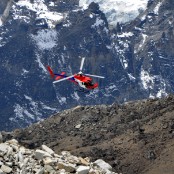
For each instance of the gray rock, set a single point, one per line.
(83, 170)
(10, 164)
(1, 172)
(1, 138)
(40, 154)
(40, 171)
(6, 169)
(4, 148)
(48, 161)
(10, 151)
(20, 156)
(48, 168)
(103, 165)
(47, 149)
(13, 141)
(68, 167)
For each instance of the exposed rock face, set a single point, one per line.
(134, 138)
(14, 158)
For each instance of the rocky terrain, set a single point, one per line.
(135, 57)
(134, 138)
(16, 159)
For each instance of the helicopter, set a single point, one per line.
(84, 81)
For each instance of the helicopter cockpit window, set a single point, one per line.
(89, 83)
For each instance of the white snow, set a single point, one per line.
(21, 113)
(126, 34)
(147, 80)
(41, 10)
(45, 39)
(118, 10)
(34, 106)
(131, 77)
(38, 60)
(51, 4)
(91, 16)
(75, 96)
(48, 108)
(24, 71)
(98, 23)
(156, 9)
(0, 22)
(18, 111)
(53, 18)
(143, 41)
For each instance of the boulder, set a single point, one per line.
(47, 161)
(40, 171)
(103, 165)
(6, 169)
(68, 167)
(13, 141)
(10, 151)
(73, 159)
(4, 148)
(84, 161)
(47, 149)
(40, 154)
(48, 168)
(83, 170)
(1, 172)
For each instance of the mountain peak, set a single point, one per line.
(118, 10)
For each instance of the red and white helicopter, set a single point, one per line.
(80, 79)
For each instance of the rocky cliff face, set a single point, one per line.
(136, 57)
(134, 138)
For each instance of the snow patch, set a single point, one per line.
(156, 9)
(48, 108)
(118, 10)
(91, 16)
(99, 22)
(38, 60)
(45, 39)
(131, 77)
(22, 114)
(0, 22)
(152, 83)
(41, 10)
(147, 80)
(126, 34)
(75, 96)
(143, 41)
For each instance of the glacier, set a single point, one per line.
(120, 11)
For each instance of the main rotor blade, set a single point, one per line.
(82, 62)
(95, 76)
(66, 78)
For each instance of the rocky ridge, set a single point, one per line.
(17, 159)
(134, 138)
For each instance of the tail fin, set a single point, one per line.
(50, 71)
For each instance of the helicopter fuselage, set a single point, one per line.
(84, 81)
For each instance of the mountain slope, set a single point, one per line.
(135, 138)
(135, 57)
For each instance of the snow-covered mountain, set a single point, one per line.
(135, 57)
(118, 10)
